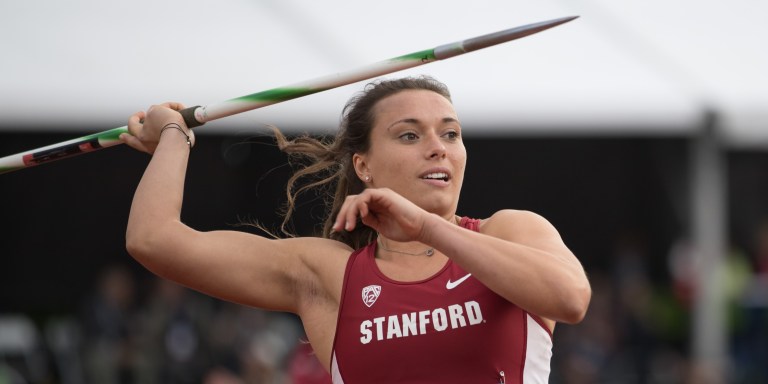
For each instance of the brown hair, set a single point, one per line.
(331, 162)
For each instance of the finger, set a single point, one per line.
(135, 121)
(162, 114)
(347, 216)
(336, 225)
(176, 106)
(133, 142)
(339, 223)
(137, 118)
(362, 209)
(350, 217)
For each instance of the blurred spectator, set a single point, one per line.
(253, 343)
(220, 375)
(64, 338)
(22, 353)
(761, 248)
(736, 275)
(172, 348)
(633, 328)
(682, 267)
(108, 329)
(583, 353)
(305, 368)
(265, 356)
(752, 348)
(634, 306)
(179, 336)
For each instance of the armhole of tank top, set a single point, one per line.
(350, 262)
(474, 225)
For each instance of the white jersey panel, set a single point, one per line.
(538, 353)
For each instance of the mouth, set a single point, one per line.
(441, 175)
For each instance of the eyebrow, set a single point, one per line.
(410, 120)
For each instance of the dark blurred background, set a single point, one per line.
(622, 204)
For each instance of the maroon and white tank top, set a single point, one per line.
(449, 328)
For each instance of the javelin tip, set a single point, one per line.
(491, 39)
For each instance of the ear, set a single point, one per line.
(360, 162)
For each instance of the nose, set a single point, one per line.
(436, 147)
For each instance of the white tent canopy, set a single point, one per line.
(647, 68)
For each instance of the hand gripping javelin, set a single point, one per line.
(199, 115)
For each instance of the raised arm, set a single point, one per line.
(235, 266)
(517, 254)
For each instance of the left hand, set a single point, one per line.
(386, 212)
(144, 128)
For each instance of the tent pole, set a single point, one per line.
(709, 225)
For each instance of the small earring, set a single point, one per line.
(367, 178)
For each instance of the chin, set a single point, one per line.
(438, 206)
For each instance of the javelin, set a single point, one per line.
(199, 115)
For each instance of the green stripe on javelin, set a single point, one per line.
(8, 169)
(279, 94)
(112, 134)
(425, 55)
(282, 94)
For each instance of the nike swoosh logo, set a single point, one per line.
(453, 284)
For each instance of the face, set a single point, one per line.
(416, 150)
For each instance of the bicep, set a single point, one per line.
(547, 258)
(230, 265)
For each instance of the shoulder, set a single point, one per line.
(318, 254)
(514, 218)
(316, 244)
(514, 224)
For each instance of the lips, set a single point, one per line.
(437, 174)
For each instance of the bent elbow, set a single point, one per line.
(139, 245)
(134, 244)
(575, 308)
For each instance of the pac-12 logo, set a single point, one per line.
(370, 294)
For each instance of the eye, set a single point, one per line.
(451, 135)
(409, 136)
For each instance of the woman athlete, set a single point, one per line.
(399, 289)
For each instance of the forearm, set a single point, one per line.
(156, 206)
(547, 281)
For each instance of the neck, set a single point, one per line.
(411, 248)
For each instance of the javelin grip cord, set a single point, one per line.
(189, 117)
